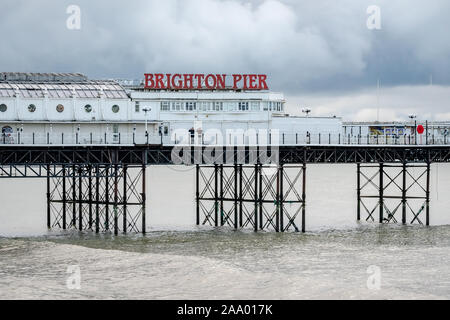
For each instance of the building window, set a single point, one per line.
(3, 108)
(136, 107)
(218, 106)
(115, 108)
(88, 108)
(206, 106)
(265, 106)
(165, 106)
(176, 106)
(191, 106)
(231, 106)
(255, 106)
(243, 106)
(60, 108)
(32, 108)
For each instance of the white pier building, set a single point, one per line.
(52, 108)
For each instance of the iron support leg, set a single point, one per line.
(261, 204)
(49, 223)
(107, 198)
(125, 198)
(116, 199)
(74, 197)
(358, 191)
(64, 199)
(97, 199)
(80, 198)
(222, 222)
(197, 193)
(304, 199)
(428, 195)
(216, 196)
(90, 196)
(235, 196)
(256, 199)
(144, 199)
(381, 192)
(240, 197)
(404, 193)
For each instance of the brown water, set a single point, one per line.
(178, 260)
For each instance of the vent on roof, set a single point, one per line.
(42, 77)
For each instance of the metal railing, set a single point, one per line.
(286, 139)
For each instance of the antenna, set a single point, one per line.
(378, 100)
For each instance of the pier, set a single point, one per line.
(102, 188)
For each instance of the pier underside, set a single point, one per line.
(258, 197)
(99, 198)
(392, 193)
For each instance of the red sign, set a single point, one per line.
(206, 81)
(420, 129)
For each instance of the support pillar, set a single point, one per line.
(97, 199)
(64, 199)
(278, 200)
(304, 199)
(144, 199)
(80, 198)
(358, 191)
(216, 196)
(256, 199)
(107, 198)
(197, 193)
(427, 196)
(49, 223)
(381, 193)
(222, 222)
(125, 198)
(404, 193)
(90, 196)
(261, 222)
(235, 196)
(74, 196)
(116, 199)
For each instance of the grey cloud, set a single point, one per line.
(304, 46)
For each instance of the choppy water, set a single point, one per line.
(178, 261)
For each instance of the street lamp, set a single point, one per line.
(413, 116)
(307, 111)
(146, 121)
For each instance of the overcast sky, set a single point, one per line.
(320, 53)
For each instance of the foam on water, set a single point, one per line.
(223, 264)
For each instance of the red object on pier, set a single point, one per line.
(420, 129)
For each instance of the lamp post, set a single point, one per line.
(307, 111)
(413, 116)
(146, 121)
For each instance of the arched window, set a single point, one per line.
(7, 130)
(3, 108)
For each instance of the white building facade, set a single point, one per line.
(45, 109)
